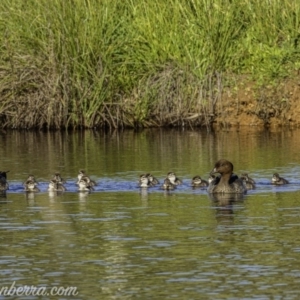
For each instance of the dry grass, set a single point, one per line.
(137, 63)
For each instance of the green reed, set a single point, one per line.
(89, 63)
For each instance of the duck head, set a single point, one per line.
(222, 166)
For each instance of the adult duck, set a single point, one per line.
(3, 181)
(226, 182)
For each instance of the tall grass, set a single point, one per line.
(89, 63)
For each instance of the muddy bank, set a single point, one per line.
(266, 106)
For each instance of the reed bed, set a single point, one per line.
(137, 63)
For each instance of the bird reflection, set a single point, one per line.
(144, 194)
(30, 198)
(3, 197)
(224, 205)
(54, 194)
(83, 195)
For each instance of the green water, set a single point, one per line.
(122, 243)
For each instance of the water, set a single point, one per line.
(120, 242)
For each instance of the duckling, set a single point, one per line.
(227, 182)
(249, 182)
(197, 181)
(56, 186)
(249, 179)
(173, 179)
(152, 180)
(277, 180)
(3, 181)
(211, 178)
(168, 185)
(84, 185)
(57, 178)
(31, 186)
(30, 178)
(144, 181)
(83, 175)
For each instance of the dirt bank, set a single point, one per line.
(273, 105)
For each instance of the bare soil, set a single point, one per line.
(267, 106)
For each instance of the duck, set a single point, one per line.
(197, 181)
(211, 178)
(144, 181)
(173, 178)
(248, 181)
(168, 185)
(57, 178)
(82, 175)
(29, 179)
(152, 180)
(277, 180)
(84, 185)
(3, 181)
(226, 182)
(31, 186)
(56, 186)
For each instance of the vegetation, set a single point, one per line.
(90, 63)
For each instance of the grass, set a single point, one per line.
(135, 63)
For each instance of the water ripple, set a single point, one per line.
(263, 185)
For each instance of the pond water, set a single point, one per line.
(120, 242)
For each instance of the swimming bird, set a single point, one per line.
(168, 185)
(30, 179)
(211, 178)
(31, 186)
(82, 175)
(249, 182)
(152, 180)
(84, 185)
(249, 179)
(173, 178)
(197, 181)
(277, 180)
(226, 182)
(3, 181)
(56, 186)
(57, 178)
(144, 181)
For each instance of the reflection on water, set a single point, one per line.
(117, 159)
(225, 204)
(121, 241)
